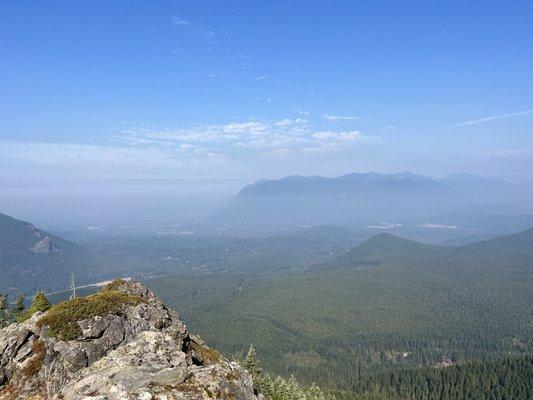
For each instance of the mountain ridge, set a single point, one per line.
(353, 183)
(388, 247)
(361, 200)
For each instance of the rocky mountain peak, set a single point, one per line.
(119, 344)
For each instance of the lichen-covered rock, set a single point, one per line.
(140, 351)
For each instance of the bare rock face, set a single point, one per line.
(143, 352)
(45, 246)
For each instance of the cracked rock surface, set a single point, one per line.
(143, 353)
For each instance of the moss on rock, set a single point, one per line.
(62, 319)
(207, 354)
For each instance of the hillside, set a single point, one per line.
(508, 378)
(383, 247)
(166, 255)
(389, 303)
(31, 259)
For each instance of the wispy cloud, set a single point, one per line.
(331, 117)
(66, 153)
(143, 145)
(260, 77)
(251, 136)
(302, 112)
(179, 23)
(488, 119)
(142, 153)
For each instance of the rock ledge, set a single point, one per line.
(143, 352)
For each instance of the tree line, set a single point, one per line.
(18, 312)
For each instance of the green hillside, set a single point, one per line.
(32, 260)
(386, 305)
(509, 378)
(144, 256)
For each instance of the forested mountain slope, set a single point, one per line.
(31, 259)
(508, 378)
(387, 304)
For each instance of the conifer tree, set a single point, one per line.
(315, 393)
(278, 388)
(18, 310)
(253, 366)
(39, 303)
(3, 310)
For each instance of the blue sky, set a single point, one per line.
(199, 90)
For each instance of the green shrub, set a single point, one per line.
(62, 319)
(115, 285)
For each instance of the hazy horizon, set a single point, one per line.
(64, 205)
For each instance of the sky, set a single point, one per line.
(227, 92)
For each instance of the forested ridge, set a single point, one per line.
(509, 378)
(395, 305)
(32, 260)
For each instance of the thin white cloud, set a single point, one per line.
(60, 153)
(302, 112)
(260, 77)
(262, 99)
(93, 155)
(179, 22)
(149, 146)
(351, 136)
(488, 119)
(331, 117)
(256, 136)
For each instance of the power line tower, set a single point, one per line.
(72, 287)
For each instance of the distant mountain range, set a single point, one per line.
(361, 199)
(32, 259)
(351, 184)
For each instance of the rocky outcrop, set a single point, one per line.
(137, 350)
(45, 246)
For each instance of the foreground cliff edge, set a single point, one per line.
(121, 343)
